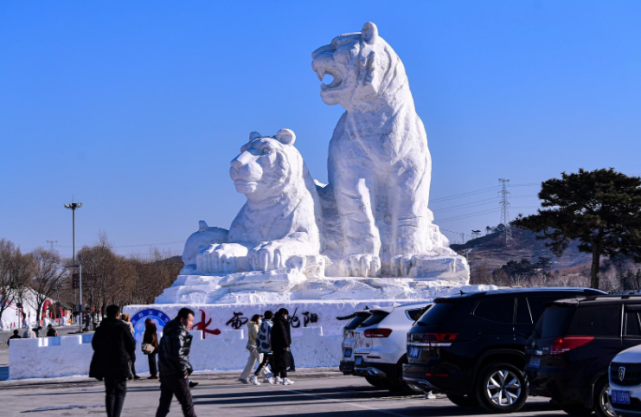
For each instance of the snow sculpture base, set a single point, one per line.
(292, 285)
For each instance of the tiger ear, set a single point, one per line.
(286, 136)
(369, 33)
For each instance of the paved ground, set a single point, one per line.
(321, 397)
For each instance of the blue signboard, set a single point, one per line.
(138, 321)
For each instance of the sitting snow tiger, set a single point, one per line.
(278, 226)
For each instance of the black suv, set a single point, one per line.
(572, 346)
(472, 346)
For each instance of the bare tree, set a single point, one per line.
(15, 269)
(98, 270)
(47, 274)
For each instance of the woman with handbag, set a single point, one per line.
(254, 355)
(150, 346)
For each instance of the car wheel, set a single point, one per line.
(602, 406)
(501, 388)
(398, 385)
(376, 382)
(576, 410)
(465, 401)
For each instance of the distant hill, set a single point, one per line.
(491, 251)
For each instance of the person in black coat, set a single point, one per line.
(51, 332)
(113, 346)
(281, 340)
(15, 336)
(173, 360)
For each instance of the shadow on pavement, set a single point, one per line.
(361, 397)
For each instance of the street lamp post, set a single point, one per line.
(73, 207)
(80, 295)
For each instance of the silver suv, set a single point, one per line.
(380, 344)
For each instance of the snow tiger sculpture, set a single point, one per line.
(277, 227)
(379, 164)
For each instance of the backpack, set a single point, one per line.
(264, 338)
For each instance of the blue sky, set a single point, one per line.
(136, 108)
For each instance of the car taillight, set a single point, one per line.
(377, 332)
(438, 339)
(567, 343)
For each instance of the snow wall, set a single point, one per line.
(217, 344)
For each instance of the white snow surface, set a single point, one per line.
(316, 341)
(285, 286)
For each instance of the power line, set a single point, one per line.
(530, 184)
(470, 204)
(465, 216)
(465, 194)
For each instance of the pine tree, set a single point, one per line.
(601, 209)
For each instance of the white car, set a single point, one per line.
(347, 347)
(381, 345)
(625, 382)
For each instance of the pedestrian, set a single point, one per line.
(281, 341)
(150, 338)
(264, 344)
(292, 364)
(37, 330)
(29, 333)
(15, 336)
(173, 360)
(254, 356)
(113, 347)
(51, 332)
(125, 318)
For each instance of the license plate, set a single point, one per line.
(620, 397)
(359, 360)
(414, 352)
(535, 362)
(348, 353)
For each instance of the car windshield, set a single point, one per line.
(416, 313)
(435, 315)
(554, 322)
(356, 321)
(375, 318)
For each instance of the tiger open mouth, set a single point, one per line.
(336, 79)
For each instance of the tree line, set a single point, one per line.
(107, 278)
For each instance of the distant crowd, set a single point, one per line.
(32, 333)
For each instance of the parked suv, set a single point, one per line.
(625, 382)
(472, 346)
(572, 347)
(380, 346)
(347, 347)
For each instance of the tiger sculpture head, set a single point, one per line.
(365, 69)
